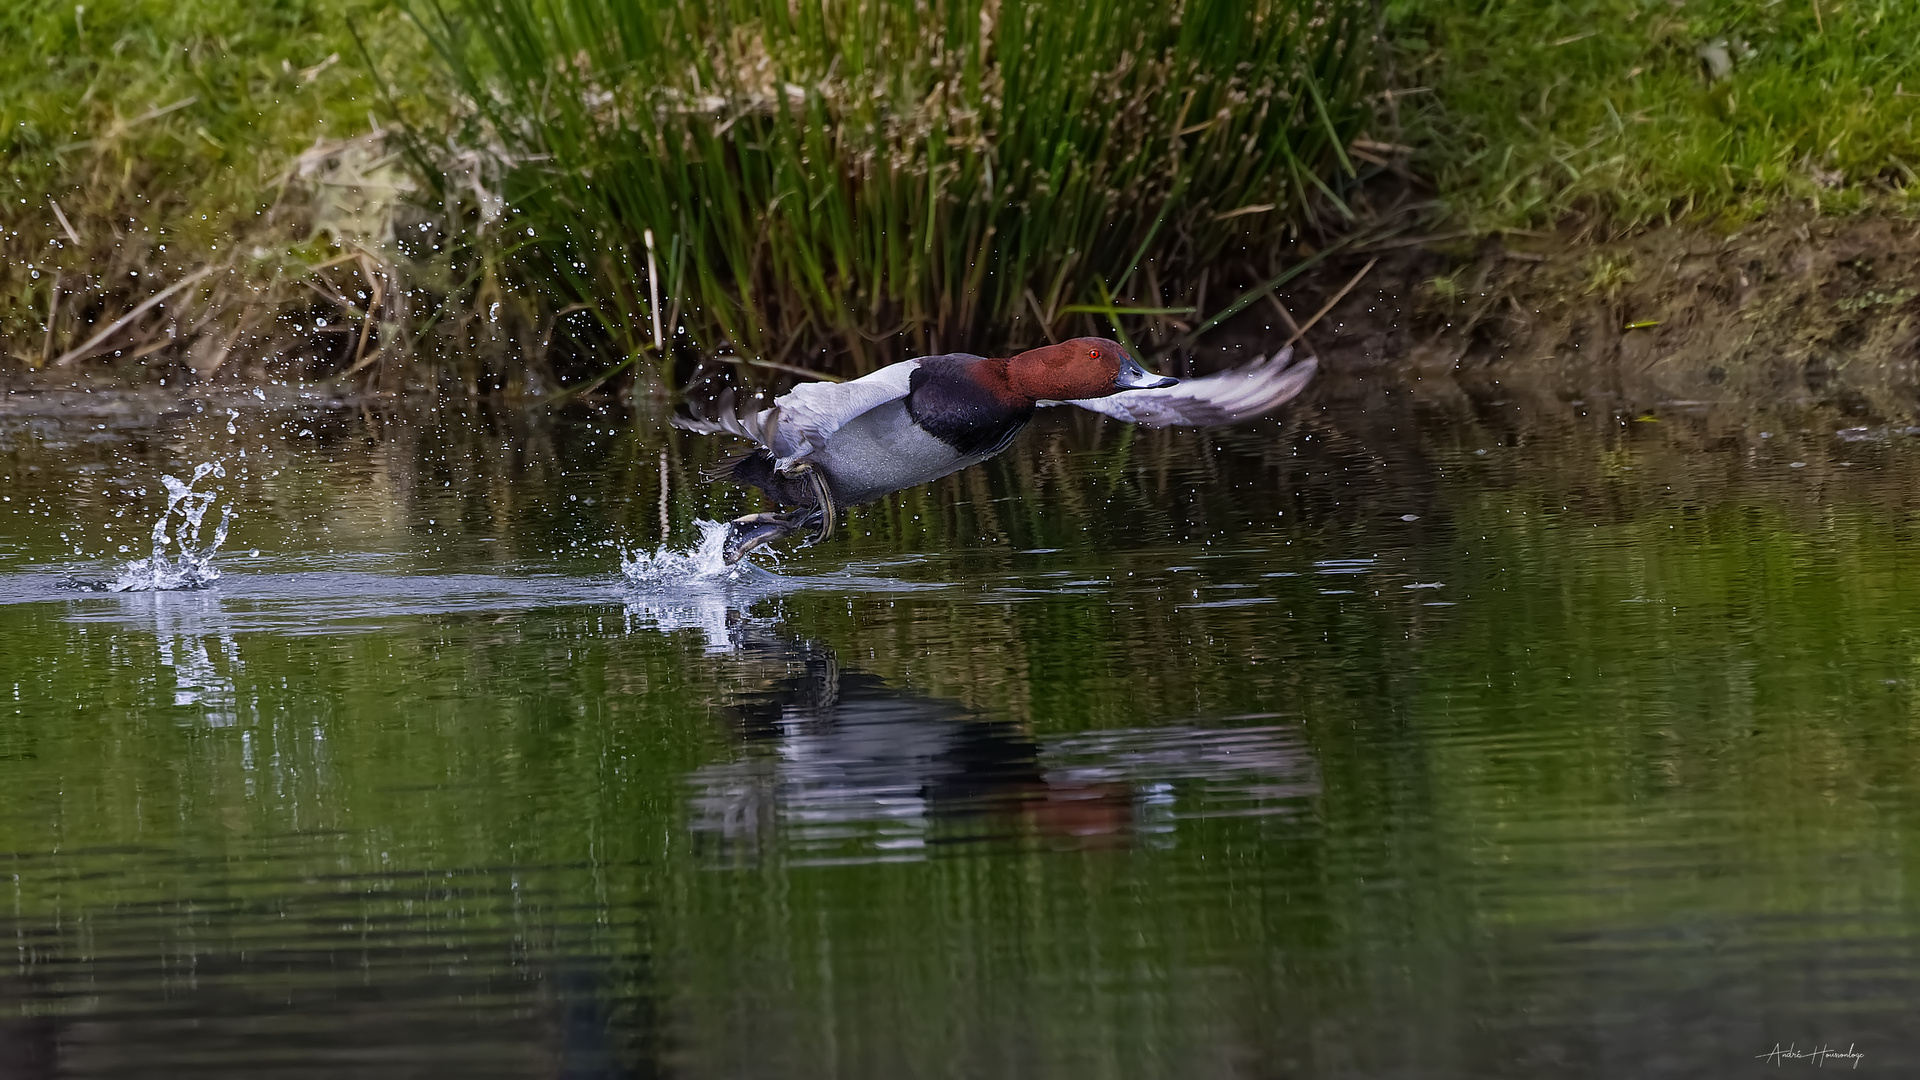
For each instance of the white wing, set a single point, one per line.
(801, 420)
(1225, 397)
(811, 412)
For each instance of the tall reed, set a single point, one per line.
(834, 182)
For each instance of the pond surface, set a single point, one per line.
(1426, 731)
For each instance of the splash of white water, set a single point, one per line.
(179, 560)
(704, 563)
(693, 588)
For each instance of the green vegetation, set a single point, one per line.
(863, 177)
(834, 186)
(149, 141)
(1628, 112)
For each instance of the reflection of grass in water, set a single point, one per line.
(848, 174)
(1738, 654)
(1504, 781)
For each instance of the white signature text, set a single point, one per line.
(1819, 1055)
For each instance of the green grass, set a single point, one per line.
(838, 185)
(1608, 111)
(835, 185)
(162, 130)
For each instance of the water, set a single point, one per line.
(178, 559)
(1437, 731)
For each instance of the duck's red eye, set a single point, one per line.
(1093, 354)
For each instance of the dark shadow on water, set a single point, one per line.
(838, 767)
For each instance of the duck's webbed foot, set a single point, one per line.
(744, 534)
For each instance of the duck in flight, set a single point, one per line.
(822, 446)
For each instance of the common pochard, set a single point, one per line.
(822, 446)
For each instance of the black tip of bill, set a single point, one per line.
(1134, 377)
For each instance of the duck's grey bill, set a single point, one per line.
(1134, 377)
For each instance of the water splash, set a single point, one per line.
(693, 588)
(179, 560)
(704, 563)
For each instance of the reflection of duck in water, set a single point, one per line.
(822, 446)
(840, 766)
(838, 760)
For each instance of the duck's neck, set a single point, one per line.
(996, 378)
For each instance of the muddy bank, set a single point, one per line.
(1791, 313)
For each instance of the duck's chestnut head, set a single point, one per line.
(1079, 368)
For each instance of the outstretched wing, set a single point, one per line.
(801, 420)
(1225, 397)
(811, 412)
(726, 413)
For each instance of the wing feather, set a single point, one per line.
(801, 420)
(810, 413)
(1225, 397)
